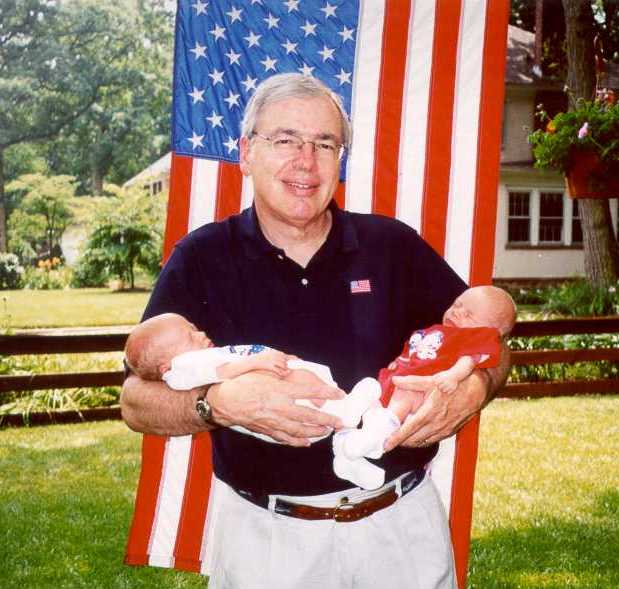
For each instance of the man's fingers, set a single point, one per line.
(324, 391)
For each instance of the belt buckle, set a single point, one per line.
(343, 510)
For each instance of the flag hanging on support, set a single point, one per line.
(423, 83)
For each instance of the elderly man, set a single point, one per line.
(285, 273)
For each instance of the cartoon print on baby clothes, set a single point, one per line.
(425, 345)
(247, 349)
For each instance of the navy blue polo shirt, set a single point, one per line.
(229, 281)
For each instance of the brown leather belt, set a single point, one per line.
(344, 511)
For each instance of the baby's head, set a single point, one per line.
(153, 343)
(482, 306)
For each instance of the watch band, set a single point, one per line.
(204, 409)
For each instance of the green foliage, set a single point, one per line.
(593, 126)
(579, 298)
(127, 235)
(44, 213)
(47, 275)
(11, 272)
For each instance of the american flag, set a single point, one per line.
(359, 286)
(423, 83)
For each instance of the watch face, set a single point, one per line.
(204, 410)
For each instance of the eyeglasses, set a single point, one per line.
(285, 145)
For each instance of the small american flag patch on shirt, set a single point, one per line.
(358, 286)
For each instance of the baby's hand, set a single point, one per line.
(273, 360)
(445, 383)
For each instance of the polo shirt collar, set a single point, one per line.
(342, 235)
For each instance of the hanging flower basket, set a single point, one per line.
(588, 177)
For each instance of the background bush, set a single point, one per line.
(11, 272)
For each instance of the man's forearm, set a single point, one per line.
(497, 376)
(152, 407)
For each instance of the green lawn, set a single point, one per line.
(70, 308)
(547, 502)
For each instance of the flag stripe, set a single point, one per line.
(415, 114)
(229, 187)
(360, 165)
(178, 202)
(438, 158)
(389, 108)
(193, 515)
(203, 192)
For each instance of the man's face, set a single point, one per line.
(294, 189)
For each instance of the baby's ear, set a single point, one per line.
(164, 367)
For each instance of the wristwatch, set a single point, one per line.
(205, 411)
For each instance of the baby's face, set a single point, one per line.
(470, 309)
(194, 339)
(182, 336)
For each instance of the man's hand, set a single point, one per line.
(272, 360)
(265, 404)
(441, 414)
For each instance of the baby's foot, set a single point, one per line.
(360, 472)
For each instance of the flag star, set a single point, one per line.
(326, 53)
(215, 120)
(344, 77)
(196, 95)
(233, 57)
(200, 7)
(268, 63)
(249, 83)
(218, 32)
(292, 5)
(252, 39)
(196, 140)
(346, 34)
(256, 2)
(328, 10)
(232, 100)
(217, 77)
(271, 21)
(231, 144)
(306, 70)
(310, 29)
(199, 50)
(235, 14)
(289, 46)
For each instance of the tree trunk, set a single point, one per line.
(599, 242)
(3, 238)
(96, 176)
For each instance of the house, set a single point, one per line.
(538, 234)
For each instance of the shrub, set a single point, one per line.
(49, 274)
(11, 272)
(88, 273)
(580, 299)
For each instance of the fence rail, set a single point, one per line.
(21, 344)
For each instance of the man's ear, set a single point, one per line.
(244, 156)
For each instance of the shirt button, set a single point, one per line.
(280, 257)
(304, 281)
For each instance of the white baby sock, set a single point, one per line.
(378, 424)
(360, 472)
(350, 409)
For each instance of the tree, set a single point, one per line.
(44, 213)
(55, 58)
(600, 244)
(127, 235)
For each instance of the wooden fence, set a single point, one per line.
(63, 344)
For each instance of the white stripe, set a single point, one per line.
(461, 205)
(415, 114)
(207, 548)
(203, 192)
(441, 470)
(170, 501)
(360, 170)
(247, 192)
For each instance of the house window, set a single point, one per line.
(156, 187)
(519, 219)
(542, 218)
(550, 217)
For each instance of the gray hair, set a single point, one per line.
(282, 86)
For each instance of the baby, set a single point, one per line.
(168, 347)
(441, 356)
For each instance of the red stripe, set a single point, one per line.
(489, 147)
(489, 143)
(229, 187)
(340, 195)
(195, 502)
(440, 121)
(153, 451)
(178, 202)
(389, 107)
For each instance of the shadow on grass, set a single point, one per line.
(552, 553)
